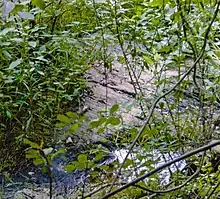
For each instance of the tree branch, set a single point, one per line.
(186, 155)
(167, 93)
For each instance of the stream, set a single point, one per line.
(35, 184)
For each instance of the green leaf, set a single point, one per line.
(82, 158)
(150, 132)
(9, 115)
(113, 121)
(14, 64)
(72, 115)
(104, 167)
(148, 59)
(63, 119)
(80, 165)
(94, 174)
(155, 3)
(121, 59)
(70, 167)
(83, 118)
(60, 125)
(99, 156)
(133, 132)
(114, 109)
(101, 130)
(38, 3)
(38, 161)
(59, 152)
(17, 8)
(75, 127)
(128, 163)
(32, 144)
(32, 154)
(161, 104)
(97, 123)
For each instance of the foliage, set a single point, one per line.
(47, 46)
(42, 70)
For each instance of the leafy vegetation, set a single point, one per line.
(47, 47)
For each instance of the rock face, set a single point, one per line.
(116, 88)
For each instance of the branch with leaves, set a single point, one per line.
(202, 52)
(182, 157)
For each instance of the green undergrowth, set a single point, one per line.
(47, 47)
(42, 70)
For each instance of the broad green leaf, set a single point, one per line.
(38, 3)
(113, 121)
(32, 154)
(161, 104)
(81, 165)
(63, 119)
(94, 174)
(59, 152)
(75, 127)
(99, 156)
(83, 118)
(82, 158)
(97, 123)
(72, 115)
(9, 115)
(70, 167)
(114, 109)
(17, 8)
(38, 161)
(31, 144)
(14, 64)
(150, 132)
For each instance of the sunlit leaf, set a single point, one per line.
(70, 167)
(63, 118)
(82, 158)
(47, 151)
(72, 115)
(38, 3)
(31, 144)
(148, 59)
(75, 127)
(14, 64)
(114, 109)
(113, 121)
